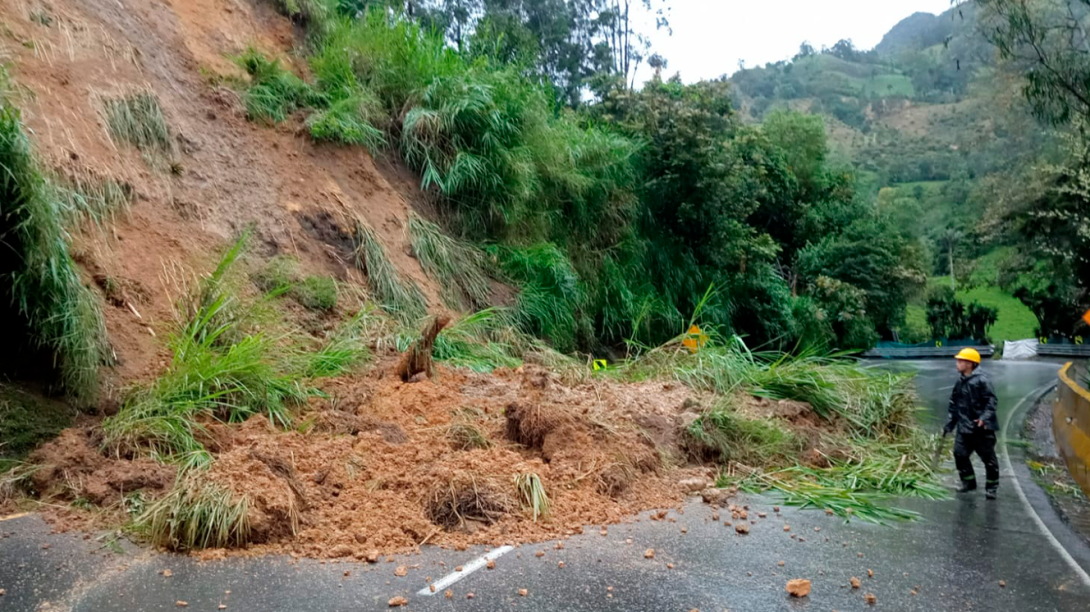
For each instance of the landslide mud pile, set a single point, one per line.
(387, 466)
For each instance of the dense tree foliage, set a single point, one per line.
(612, 209)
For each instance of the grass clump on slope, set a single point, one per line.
(61, 314)
(398, 295)
(456, 265)
(221, 367)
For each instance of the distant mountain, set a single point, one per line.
(915, 33)
(923, 118)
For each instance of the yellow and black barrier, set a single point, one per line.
(1071, 426)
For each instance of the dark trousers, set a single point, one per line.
(981, 442)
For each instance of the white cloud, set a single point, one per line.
(709, 38)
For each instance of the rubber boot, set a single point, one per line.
(991, 490)
(966, 486)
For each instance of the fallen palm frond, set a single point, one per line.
(455, 265)
(532, 495)
(196, 514)
(398, 295)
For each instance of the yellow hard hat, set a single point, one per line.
(968, 354)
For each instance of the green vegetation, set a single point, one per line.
(280, 277)
(397, 294)
(196, 514)
(744, 440)
(592, 212)
(137, 119)
(26, 421)
(222, 367)
(458, 267)
(48, 301)
(532, 495)
(482, 342)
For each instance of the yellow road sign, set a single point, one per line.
(695, 339)
(600, 364)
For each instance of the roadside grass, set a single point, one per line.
(457, 266)
(398, 295)
(61, 314)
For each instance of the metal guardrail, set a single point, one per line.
(1063, 350)
(924, 352)
(1071, 426)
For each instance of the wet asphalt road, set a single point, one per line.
(953, 560)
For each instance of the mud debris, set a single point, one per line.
(401, 571)
(798, 587)
(870, 598)
(491, 564)
(741, 528)
(1002, 584)
(397, 602)
(870, 573)
(523, 592)
(855, 582)
(649, 553)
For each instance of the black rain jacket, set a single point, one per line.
(973, 399)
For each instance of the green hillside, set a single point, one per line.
(926, 120)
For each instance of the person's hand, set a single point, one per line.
(980, 423)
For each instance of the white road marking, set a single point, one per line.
(467, 569)
(1022, 496)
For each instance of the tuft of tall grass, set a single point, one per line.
(137, 119)
(735, 438)
(532, 495)
(62, 315)
(93, 199)
(196, 514)
(397, 294)
(274, 92)
(221, 368)
(457, 266)
(348, 121)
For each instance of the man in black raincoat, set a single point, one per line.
(972, 415)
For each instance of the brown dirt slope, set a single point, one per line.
(67, 55)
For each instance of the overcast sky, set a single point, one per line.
(710, 36)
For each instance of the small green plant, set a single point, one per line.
(274, 93)
(196, 514)
(348, 121)
(316, 293)
(138, 119)
(398, 295)
(456, 265)
(532, 495)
